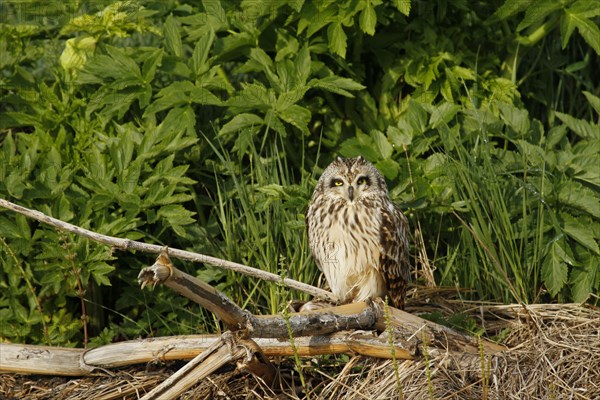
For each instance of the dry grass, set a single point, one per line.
(554, 354)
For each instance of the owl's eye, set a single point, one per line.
(362, 180)
(337, 182)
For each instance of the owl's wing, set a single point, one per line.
(310, 220)
(394, 257)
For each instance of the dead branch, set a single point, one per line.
(225, 350)
(46, 360)
(363, 316)
(315, 322)
(127, 244)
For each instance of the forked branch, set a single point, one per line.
(127, 244)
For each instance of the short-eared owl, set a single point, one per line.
(358, 237)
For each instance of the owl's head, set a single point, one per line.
(352, 179)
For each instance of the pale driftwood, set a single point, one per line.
(227, 349)
(43, 360)
(127, 244)
(46, 360)
(410, 327)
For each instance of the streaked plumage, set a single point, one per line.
(359, 238)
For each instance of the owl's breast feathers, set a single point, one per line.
(357, 248)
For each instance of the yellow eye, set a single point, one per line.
(362, 180)
(338, 182)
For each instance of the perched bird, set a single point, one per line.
(359, 238)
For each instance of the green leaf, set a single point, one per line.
(579, 197)
(511, 7)
(590, 31)
(361, 145)
(399, 137)
(199, 59)
(554, 268)
(575, 229)
(240, 122)
(414, 120)
(151, 64)
(170, 96)
(296, 116)
(203, 96)
(338, 41)
(173, 37)
(253, 95)
(388, 167)
(593, 100)
(581, 127)
(537, 12)
(516, 118)
(176, 214)
(302, 64)
(442, 114)
(582, 278)
(368, 19)
(336, 84)
(77, 51)
(382, 144)
(403, 6)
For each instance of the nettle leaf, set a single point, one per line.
(403, 6)
(442, 114)
(399, 137)
(173, 37)
(169, 97)
(579, 16)
(583, 277)
(338, 41)
(297, 116)
(240, 122)
(414, 120)
(204, 96)
(512, 7)
(581, 127)
(199, 62)
(554, 268)
(580, 197)
(388, 167)
(302, 65)
(361, 145)
(516, 118)
(176, 214)
(368, 19)
(382, 144)
(151, 64)
(575, 229)
(253, 95)
(593, 100)
(337, 84)
(537, 12)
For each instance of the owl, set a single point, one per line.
(359, 238)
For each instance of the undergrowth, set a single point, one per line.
(204, 126)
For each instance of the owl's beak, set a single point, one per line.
(351, 193)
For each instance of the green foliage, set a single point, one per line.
(205, 125)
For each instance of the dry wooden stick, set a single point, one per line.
(127, 244)
(220, 353)
(46, 360)
(314, 322)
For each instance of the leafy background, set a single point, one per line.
(204, 126)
